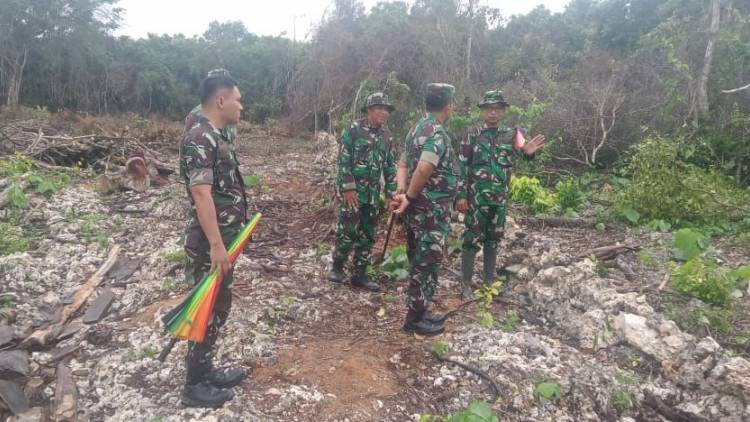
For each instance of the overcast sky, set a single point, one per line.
(263, 17)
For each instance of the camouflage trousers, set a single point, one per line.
(427, 229)
(485, 225)
(198, 264)
(356, 231)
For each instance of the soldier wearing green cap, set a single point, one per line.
(365, 155)
(427, 176)
(486, 157)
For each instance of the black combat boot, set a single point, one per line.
(417, 324)
(435, 318)
(361, 279)
(204, 394)
(336, 274)
(490, 261)
(467, 272)
(225, 378)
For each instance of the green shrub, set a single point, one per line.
(478, 411)
(396, 264)
(262, 109)
(622, 399)
(689, 243)
(548, 390)
(663, 186)
(528, 191)
(569, 196)
(705, 280)
(12, 239)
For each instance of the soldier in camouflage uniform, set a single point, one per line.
(486, 158)
(365, 155)
(429, 165)
(209, 168)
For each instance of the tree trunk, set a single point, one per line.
(15, 78)
(467, 74)
(713, 32)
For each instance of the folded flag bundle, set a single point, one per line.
(189, 320)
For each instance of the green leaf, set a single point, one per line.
(548, 390)
(600, 227)
(439, 348)
(17, 198)
(742, 272)
(486, 320)
(631, 215)
(481, 409)
(664, 225)
(689, 244)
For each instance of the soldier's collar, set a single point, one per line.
(366, 124)
(204, 120)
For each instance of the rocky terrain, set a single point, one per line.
(595, 330)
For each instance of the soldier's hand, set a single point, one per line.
(401, 203)
(394, 202)
(220, 259)
(350, 199)
(462, 205)
(535, 144)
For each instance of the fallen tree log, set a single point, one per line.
(42, 337)
(605, 253)
(565, 222)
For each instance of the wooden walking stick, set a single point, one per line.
(391, 219)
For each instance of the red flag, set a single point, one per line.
(519, 140)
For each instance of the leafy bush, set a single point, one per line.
(478, 411)
(486, 294)
(396, 264)
(664, 186)
(705, 280)
(622, 399)
(12, 239)
(689, 243)
(529, 192)
(569, 196)
(264, 108)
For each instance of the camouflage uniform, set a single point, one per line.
(229, 132)
(485, 158)
(428, 218)
(207, 157)
(365, 154)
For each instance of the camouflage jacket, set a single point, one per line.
(230, 132)
(486, 159)
(207, 157)
(429, 141)
(366, 153)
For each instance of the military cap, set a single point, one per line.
(441, 94)
(378, 98)
(493, 97)
(218, 72)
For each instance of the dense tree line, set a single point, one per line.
(598, 77)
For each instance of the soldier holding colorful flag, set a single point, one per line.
(209, 168)
(486, 160)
